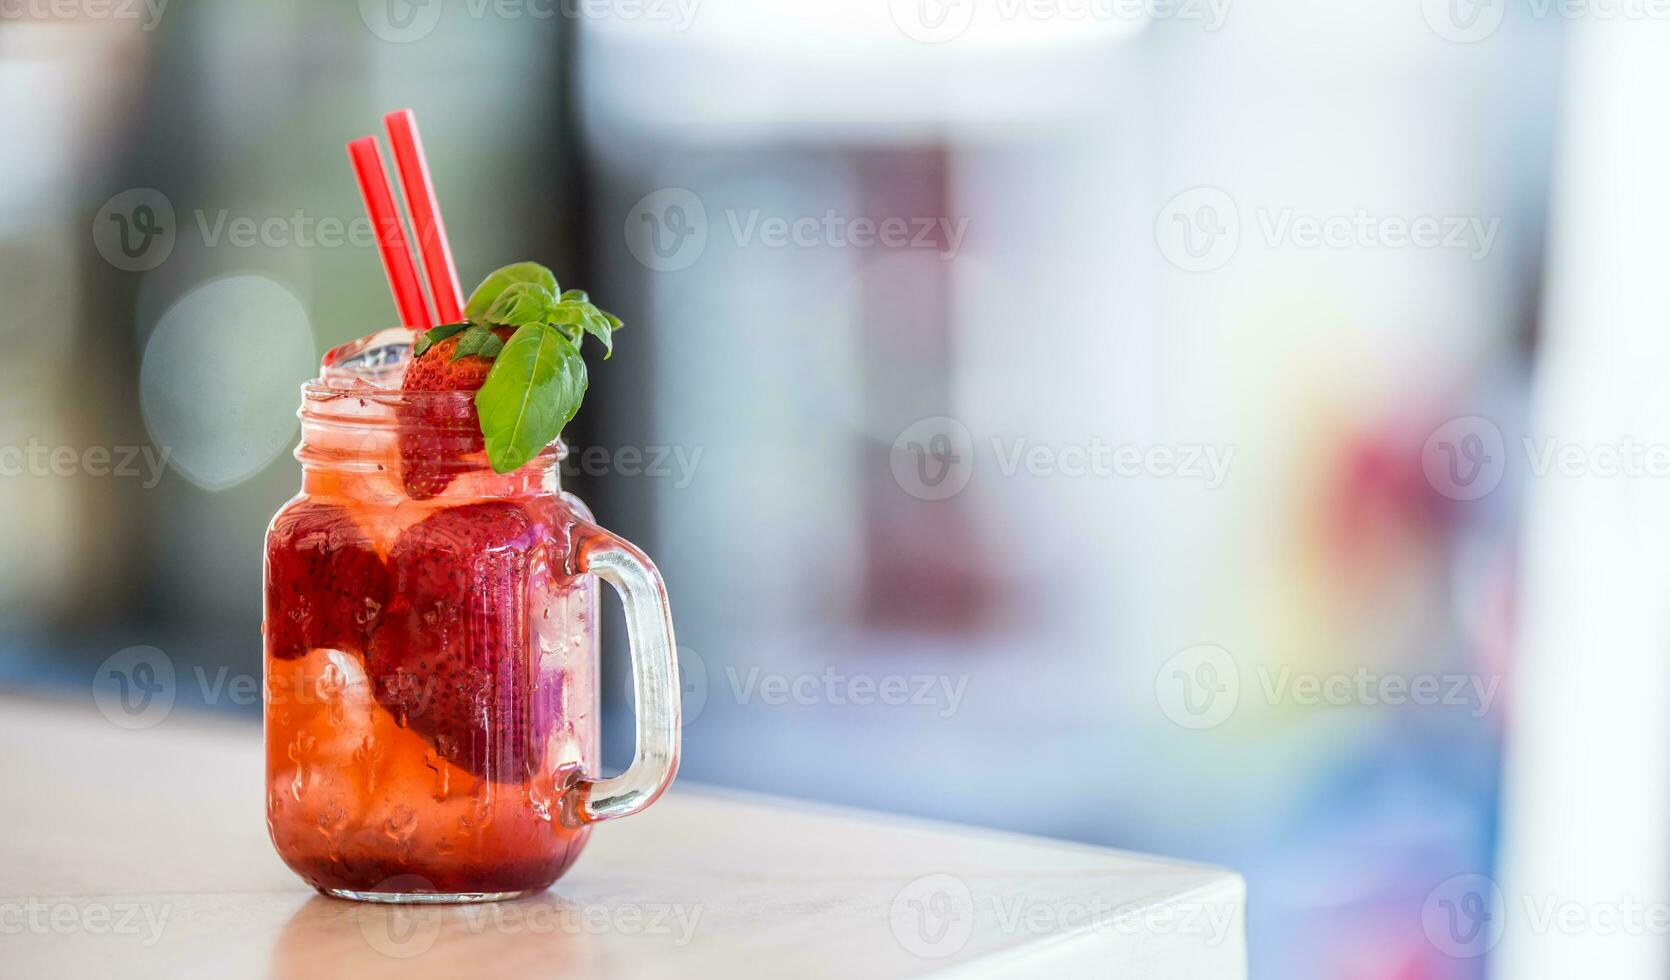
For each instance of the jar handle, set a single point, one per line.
(649, 630)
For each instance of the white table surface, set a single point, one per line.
(144, 853)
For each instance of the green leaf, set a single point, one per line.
(535, 387)
(589, 319)
(490, 347)
(500, 280)
(472, 341)
(566, 312)
(521, 302)
(435, 335)
(575, 296)
(598, 326)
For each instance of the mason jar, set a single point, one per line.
(431, 659)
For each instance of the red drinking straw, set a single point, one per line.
(391, 237)
(426, 215)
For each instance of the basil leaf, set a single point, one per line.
(535, 387)
(445, 330)
(435, 335)
(571, 313)
(471, 342)
(522, 302)
(589, 319)
(490, 347)
(501, 279)
(576, 296)
(598, 327)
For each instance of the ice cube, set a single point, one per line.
(379, 359)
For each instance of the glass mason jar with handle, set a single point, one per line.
(431, 673)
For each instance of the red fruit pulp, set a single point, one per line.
(451, 748)
(436, 436)
(326, 584)
(450, 658)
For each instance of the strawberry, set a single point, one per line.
(436, 434)
(451, 659)
(326, 584)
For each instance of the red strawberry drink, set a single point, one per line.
(431, 638)
(431, 621)
(431, 666)
(431, 597)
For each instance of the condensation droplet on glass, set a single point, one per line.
(401, 824)
(540, 796)
(300, 752)
(479, 812)
(367, 755)
(330, 682)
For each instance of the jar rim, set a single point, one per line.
(446, 413)
(320, 390)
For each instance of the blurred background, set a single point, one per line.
(1225, 430)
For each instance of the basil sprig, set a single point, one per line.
(535, 387)
(538, 378)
